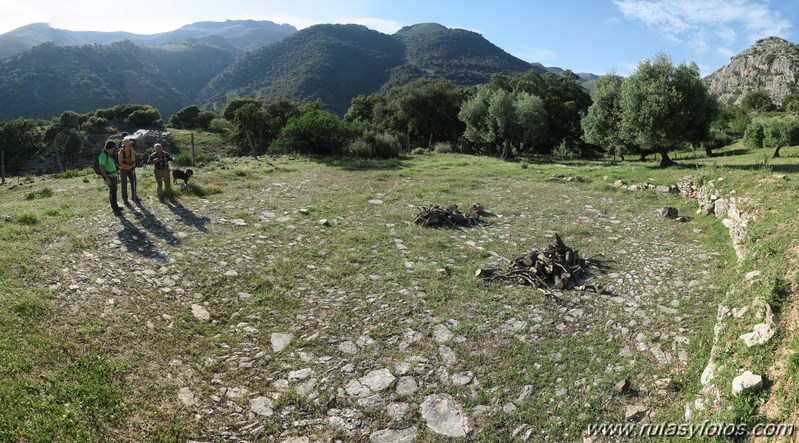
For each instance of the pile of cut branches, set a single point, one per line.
(448, 215)
(558, 266)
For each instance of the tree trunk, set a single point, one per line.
(708, 151)
(249, 141)
(777, 152)
(665, 161)
(507, 152)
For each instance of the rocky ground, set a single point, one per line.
(299, 308)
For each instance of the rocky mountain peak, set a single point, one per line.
(770, 65)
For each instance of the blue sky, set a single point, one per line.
(584, 36)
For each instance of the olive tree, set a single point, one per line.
(664, 107)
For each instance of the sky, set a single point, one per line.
(597, 36)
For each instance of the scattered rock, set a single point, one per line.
(635, 413)
(200, 313)
(348, 347)
(378, 380)
(622, 386)
(261, 406)
(406, 386)
(441, 333)
(324, 222)
(187, 397)
(280, 341)
(761, 334)
(746, 382)
(443, 416)
(404, 435)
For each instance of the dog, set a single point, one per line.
(178, 174)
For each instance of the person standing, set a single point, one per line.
(160, 160)
(127, 169)
(108, 169)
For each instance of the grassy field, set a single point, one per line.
(103, 337)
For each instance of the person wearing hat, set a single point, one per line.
(127, 169)
(160, 159)
(108, 169)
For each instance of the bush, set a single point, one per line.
(28, 219)
(360, 148)
(220, 125)
(43, 193)
(443, 148)
(753, 137)
(419, 151)
(318, 132)
(183, 160)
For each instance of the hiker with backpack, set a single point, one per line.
(106, 165)
(160, 159)
(127, 169)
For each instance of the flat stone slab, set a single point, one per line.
(280, 341)
(761, 334)
(405, 435)
(746, 382)
(200, 313)
(444, 416)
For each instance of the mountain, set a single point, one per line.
(771, 65)
(47, 80)
(337, 62)
(206, 64)
(245, 35)
(331, 62)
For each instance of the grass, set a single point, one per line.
(76, 367)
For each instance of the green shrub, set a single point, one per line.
(28, 219)
(69, 173)
(183, 160)
(43, 193)
(220, 125)
(419, 151)
(319, 132)
(360, 148)
(443, 148)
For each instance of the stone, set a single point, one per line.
(665, 384)
(441, 333)
(635, 413)
(707, 374)
(376, 201)
(618, 184)
(377, 380)
(662, 189)
(444, 416)
(261, 406)
(397, 410)
(404, 435)
(746, 382)
(355, 389)
(761, 334)
(301, 374)
(324, 222)
(523, 432)
(200, 313)
(406, 386)
(447, 355)
(462, 378)
(187, 397)
(280, 341)
(348, 347)
(750, 276)
(721, 208)
(622, 386)
(296, 440)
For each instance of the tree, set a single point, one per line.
(234, 105)
(664, 107)
(318, 132)
(425, 111)
(63, 137)
(495, 116)
(602, 124)
(21, 140)
(757, 101)
(184, 118)
(251, 129)
(565, 102)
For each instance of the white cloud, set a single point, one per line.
(681, 21)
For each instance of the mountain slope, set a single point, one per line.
(331, 62)
(244, 35)
(770, 65)
(464, 57)
(48, 80)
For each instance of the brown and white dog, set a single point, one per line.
(178, 174)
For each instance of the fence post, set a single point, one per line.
(2, 167)
(192, 149)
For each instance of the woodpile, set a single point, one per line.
(448, 216)
(558, 266)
